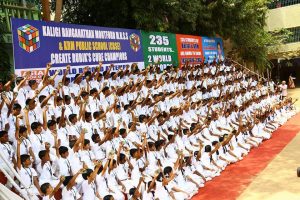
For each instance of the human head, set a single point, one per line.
(63, 151)
(108, 197)
(86, 144)
(44, 155)
(3, 136)
(25, 160)
(36, 127)
(30, 103)
(51, 124)
(16, 109)
(33, 84)
(73, 118)
(46, 189)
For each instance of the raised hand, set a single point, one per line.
(48, 66)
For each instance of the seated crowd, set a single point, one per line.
(134, 134)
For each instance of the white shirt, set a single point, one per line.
(7, 151)
(27, 175)
(71, 194)
(89, 190)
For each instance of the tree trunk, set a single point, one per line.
(58, 10)
(46, 10)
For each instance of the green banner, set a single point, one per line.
(159, 47)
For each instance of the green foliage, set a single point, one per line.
(5, 66)
(241, 21)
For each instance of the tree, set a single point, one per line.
(45, 4)
(58, 10)
(241, 21)
(45, 9)
(5, 65)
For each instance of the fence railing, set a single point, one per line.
(18, 9)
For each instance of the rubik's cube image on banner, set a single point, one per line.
(29, 39)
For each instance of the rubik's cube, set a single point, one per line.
(29, 39)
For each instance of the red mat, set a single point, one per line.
(236, 177)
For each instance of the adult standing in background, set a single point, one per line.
(291, 82)
(283, 88)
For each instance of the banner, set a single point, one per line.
(189, 49)
(212, 48)
(37, 43)
(159, 47)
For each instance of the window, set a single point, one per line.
(282, 3)
(295, 37)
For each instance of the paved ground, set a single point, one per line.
(278, 181)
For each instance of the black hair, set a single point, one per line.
(42, 154)
(126, 107)
(62, 150)
(170, 137)
(158, 143)
(72, 116)
(86, 142)
(87, 114)
(51, 123)
(122, 156)
(22, 129)
(16, 106)
(132, 191)
(167, 170)
(122, 131)
(87, 174)
(31, 82)
(75, 77)
(151, 144)
(27, 101)
(35, 125)
(141, 118)
(18, 80)
(133, 151)
(84, 93)
(185, 131)
(41, 98)
(44, 187)
(96, 114)
(67, 180)
(207, 148)
(130, 124)
(95, 136)
(67, 97)
(149, 183)
(88, 73)
(2, 133)
(92, 91)
(100, 169)
(24, 157)
(108, 197)
(105, 88)
(221, 139)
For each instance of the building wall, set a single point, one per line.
(286, 58)
(287, 17)
(284, 17)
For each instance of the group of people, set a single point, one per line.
(131, 133)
